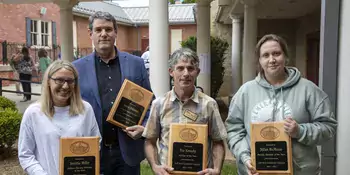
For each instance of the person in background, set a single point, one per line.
(102, 74)
(145, 57)
(44, 61)
(26, 66)
(280, 94)
(14, 66)
(60, 112)
(184, 68)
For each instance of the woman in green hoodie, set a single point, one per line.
(279, 93)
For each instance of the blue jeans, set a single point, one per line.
(112, 163)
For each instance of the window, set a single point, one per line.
(40, 33)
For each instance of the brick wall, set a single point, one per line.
(126, 36)
(83, 38)
(187, 31)
(12, 17)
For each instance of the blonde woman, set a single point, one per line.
(60, 112)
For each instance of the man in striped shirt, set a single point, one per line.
(184, 68)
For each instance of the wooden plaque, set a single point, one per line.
(271, 149)
(188, 148)
(80, 155)
(130, 106)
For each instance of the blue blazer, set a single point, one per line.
(132, 68)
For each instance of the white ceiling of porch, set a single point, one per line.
(272, 9)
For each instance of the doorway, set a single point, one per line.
(313, 56)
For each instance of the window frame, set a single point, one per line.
(40, 33)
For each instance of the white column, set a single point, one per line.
(203, 45)
(249, 42)
(343, 101)
(66, 28)
(236, 55)
(159, 46)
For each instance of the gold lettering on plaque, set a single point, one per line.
(188, 134)
(79, 147)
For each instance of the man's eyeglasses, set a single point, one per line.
(61, 81)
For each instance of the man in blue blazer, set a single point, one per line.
(101, 75)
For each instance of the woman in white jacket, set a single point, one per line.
(60, 112)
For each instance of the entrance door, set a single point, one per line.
(144, 44)
(313, 56)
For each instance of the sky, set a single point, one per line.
(132, 3)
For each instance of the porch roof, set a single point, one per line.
(267, 9)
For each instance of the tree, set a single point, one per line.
(218, 49)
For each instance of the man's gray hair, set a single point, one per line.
(102, 15)
(185, 54)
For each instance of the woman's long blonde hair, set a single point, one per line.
(46, 101)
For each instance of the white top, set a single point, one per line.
(145, 57)
(39, 136)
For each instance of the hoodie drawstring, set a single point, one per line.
(275, 104)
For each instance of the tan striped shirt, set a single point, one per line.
(169, 109)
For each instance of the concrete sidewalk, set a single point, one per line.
(22, 106)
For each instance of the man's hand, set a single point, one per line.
(250, 169)
(209, 171)
(291, 127)
(135, 131)
(162, 169)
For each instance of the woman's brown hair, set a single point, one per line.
(42, 53)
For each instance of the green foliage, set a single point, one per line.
(229, 168)
(6, 103)
(10, 121)
(218, 48)
(189, 1)
(146, 169)
(184, 1)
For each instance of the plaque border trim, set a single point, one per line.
(95, 139)
(288, 142)
(172, 140)
(118, 99)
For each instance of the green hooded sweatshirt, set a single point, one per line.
(299, 98)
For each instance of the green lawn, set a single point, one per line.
(228, 169)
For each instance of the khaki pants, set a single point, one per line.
(16, 77)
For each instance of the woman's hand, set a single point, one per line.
(250, 169)
(291, 127)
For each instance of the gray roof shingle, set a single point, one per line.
(114, 9)
(178, 14)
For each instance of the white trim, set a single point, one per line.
(176, 38)
(75, 39)
(39, 33)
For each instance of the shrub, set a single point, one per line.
(6, 103)
(10, 121)
(218, 48)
